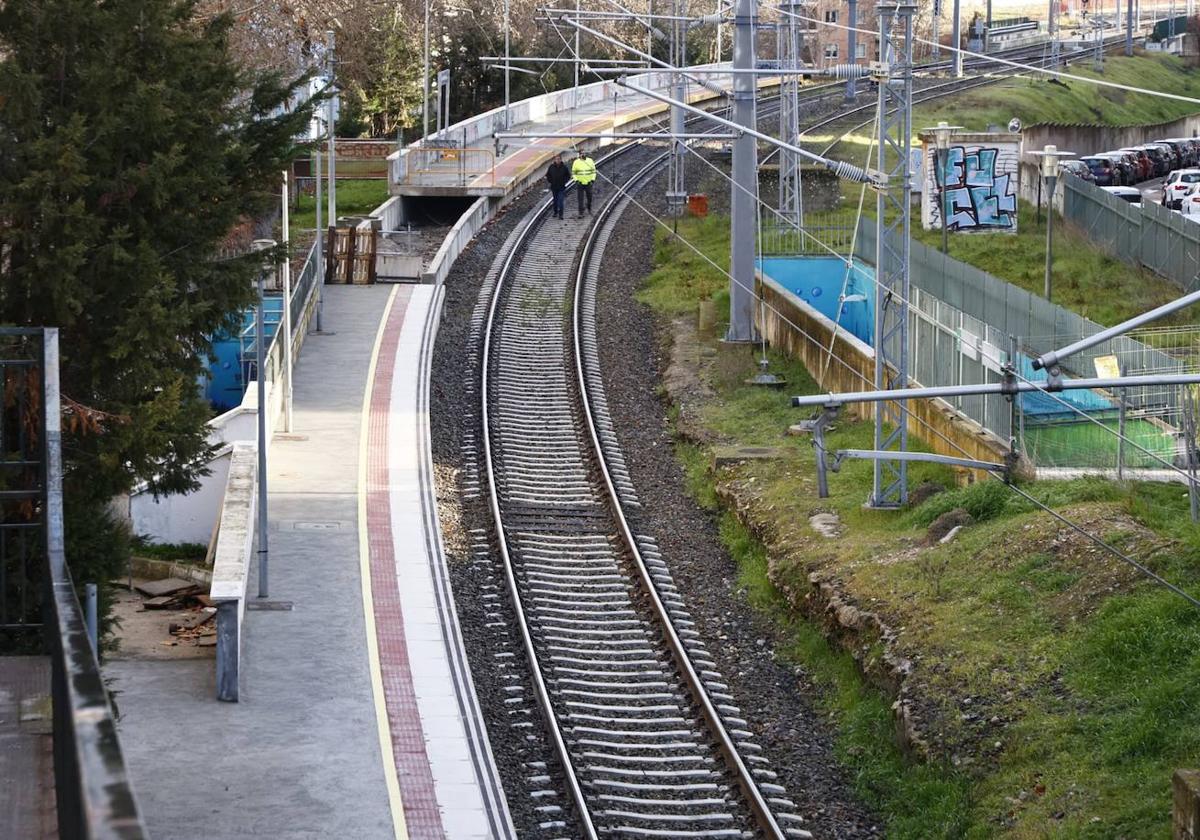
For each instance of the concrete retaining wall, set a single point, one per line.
(231, 564)
(807, 338)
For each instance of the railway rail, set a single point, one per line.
(650, 741)
(648, 738)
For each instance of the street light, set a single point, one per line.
(264, 246)
(942, 134)
(1049, 168)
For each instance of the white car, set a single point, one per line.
(1176, 185)
(1130, 194)
(1189, 205)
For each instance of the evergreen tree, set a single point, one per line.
(130, 147)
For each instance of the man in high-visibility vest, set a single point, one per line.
(583, 170)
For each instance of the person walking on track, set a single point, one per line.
(583, 170)
(558, 175)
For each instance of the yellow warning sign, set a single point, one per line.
(1107, 367)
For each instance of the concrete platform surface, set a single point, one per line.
(325, 742)
(26, 749)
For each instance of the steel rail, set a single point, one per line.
(752, 795)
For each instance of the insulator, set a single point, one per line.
(850, 172)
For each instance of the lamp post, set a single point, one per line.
(941, 135)
(1049, 170)
(260, 363)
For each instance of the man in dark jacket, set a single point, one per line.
(558, 175)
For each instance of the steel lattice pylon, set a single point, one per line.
(791, 192)
(893, 227)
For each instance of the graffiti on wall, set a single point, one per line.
(976, 186)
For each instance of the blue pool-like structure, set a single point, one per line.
(818, 282)
(226, 382)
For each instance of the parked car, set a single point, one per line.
(1174, 159)
(1162, 158)
(1129, 167)
(1183, 154)
(1147, 164)
(1077, 168)
(1189, 205)
(1130, 194)
(1104, 171)
(1176, 185)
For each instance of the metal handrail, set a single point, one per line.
(94, 795)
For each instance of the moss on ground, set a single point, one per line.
(1057, 686)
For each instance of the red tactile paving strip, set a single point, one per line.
(408, 741)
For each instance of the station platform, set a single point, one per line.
(357, 716)
(468, 160)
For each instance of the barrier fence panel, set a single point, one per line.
(1149, 235)
(444, 165)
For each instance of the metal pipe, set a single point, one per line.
(843, 169)
(852, 46)
(618, 135)
(425, 83)
(260, 362)
(1128, 27)
(516, 59)
(287, 310)
(332, 131)
(319, 254)
(91, 614)
(1050, 184)
(1051, 359)
(507, 71)
(1026, 387)
(956, 40)
(929, 457)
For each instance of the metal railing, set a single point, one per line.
(94, 797)
(428, 165)
(817, 238)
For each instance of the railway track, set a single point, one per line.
(647, 736)
(650, 741)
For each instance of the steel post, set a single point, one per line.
(507, 65)
(1050, 185)
(260, 371)
(1128, 27)
(851, 46)
(319, 254)
(941, 180)
(286, 324)
(893, 227)
(745, 181)
(332, 131)
(956, 38)
(92, 615)
(1052, 28)
(424, 83)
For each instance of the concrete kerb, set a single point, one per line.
(231, 565)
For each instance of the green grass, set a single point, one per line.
(1091, 673)
(1037, 100)
(354, 198)
(1084, 279)
(191, 553)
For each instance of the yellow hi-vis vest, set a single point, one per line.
(583, 170)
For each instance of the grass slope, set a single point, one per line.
(356, 197)
(1061, 687)
(1037, 100)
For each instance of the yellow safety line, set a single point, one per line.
(364, 559)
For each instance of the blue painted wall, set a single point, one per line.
(226, 379)
(818, 282)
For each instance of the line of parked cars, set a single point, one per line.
(1176, 160)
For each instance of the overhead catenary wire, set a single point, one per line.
(1113, 550)
(1059, 74)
